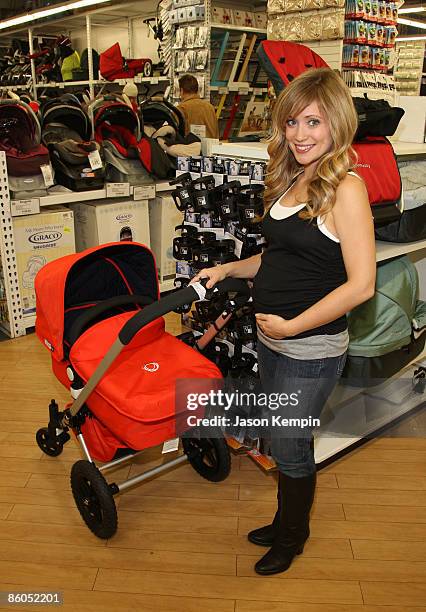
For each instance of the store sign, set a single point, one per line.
(19, 208)
(198, 130)
(117, 190)
(144, 192)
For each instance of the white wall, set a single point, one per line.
(144, 45)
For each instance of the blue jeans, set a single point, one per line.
(313, 380)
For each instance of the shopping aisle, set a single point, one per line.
(181, 543)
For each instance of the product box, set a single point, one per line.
(244, 19)
(105, 221)
(163, 218)
(39, 239)
(260, 19)
(222, 15)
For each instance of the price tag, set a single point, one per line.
(144, 192)
(121, 81)
(117, 190)
(257, 91)
(61, 85)
(223, 90)
(170, 446)
(198, 130)
(138, 79)
(154, 80)
(47, 172)
(25, 207)
(238, 247)
(95, 160)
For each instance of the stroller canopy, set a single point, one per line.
(159, 113)
(70, 115)
(80, 280)
(19, 126)
(284, 61)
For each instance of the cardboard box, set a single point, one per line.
(110, 221)
(39, 239)
(413, 124)
(260, 19)
(163, 218)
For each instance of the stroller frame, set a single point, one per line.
(93, 495)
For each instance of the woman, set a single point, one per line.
(318, 265)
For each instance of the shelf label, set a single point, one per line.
(170, 446)
(95, 160)
(121, 81)
(198, 130)
(24, 207)
(257, 91)
(243, 91)
(117, 190)
(144, 192)
(223, 90)
(154, 80)
(47, 172)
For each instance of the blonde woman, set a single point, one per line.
(319, 263)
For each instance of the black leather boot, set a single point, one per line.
(297, 496)
(264, 536)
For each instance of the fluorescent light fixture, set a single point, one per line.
(413, 23)
(411, 9)
(407, 38)
(55, 10)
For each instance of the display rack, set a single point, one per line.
(231, 74)
(104, 17)
(408, 69)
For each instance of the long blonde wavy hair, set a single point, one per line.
(326, 87)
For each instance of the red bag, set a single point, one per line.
(377, 165)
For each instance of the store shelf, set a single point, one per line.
(71, 197)
(102, 82)
(233, 28)
(387, 250)
(258, 150)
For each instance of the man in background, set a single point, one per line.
(196, 110)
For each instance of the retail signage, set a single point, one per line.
(25, 207)
(117, 190)
(198, 130)
(144, 192)
(47, 172)
(170, 445)
(95, 160)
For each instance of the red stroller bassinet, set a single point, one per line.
(99, 314)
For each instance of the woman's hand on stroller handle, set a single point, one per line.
(210, 276)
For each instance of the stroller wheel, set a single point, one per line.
(94, 499)
(53, 448)
(210, 457)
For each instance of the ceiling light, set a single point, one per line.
(407, 38)
(411, 9)
(413, 23)
(55, 10)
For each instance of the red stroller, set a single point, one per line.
(99, 314)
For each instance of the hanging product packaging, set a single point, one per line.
(312, 27)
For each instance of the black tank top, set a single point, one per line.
(299, 267)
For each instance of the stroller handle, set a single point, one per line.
(189, 294)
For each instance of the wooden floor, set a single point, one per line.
(181, 544)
